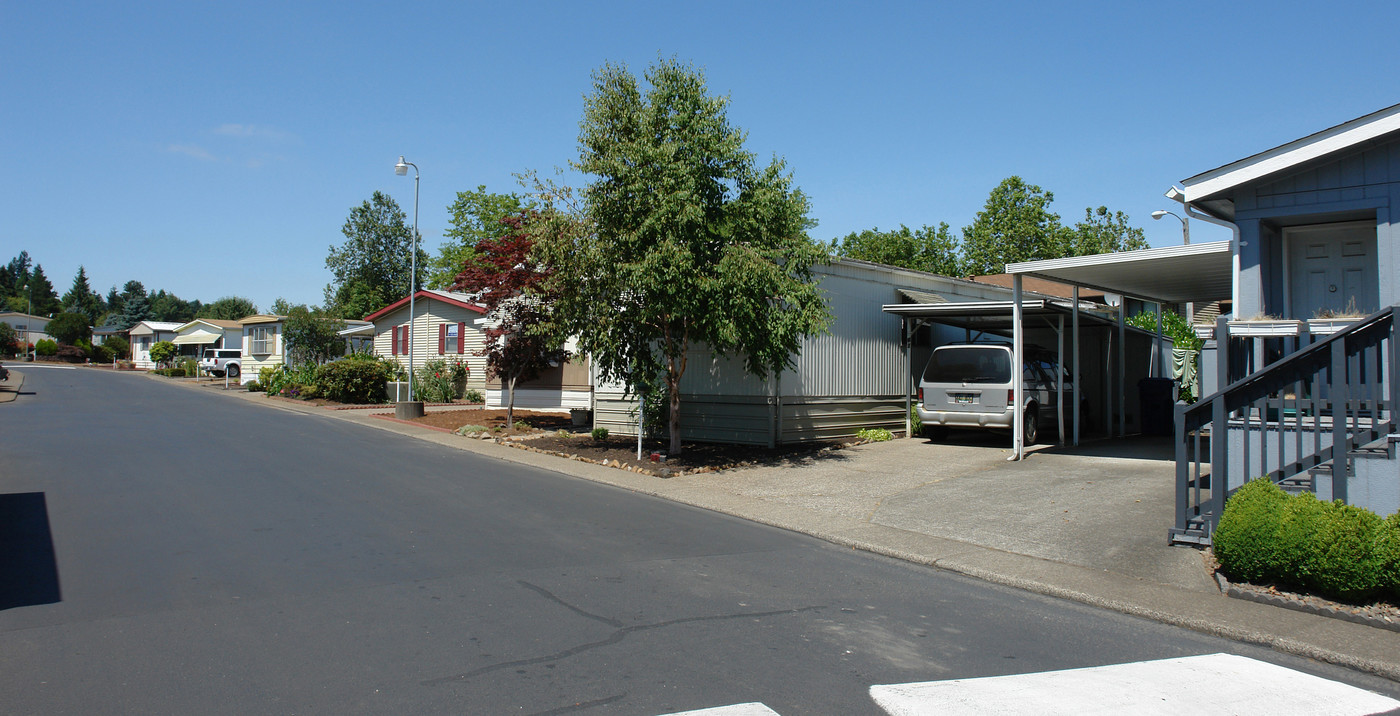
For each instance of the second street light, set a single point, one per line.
(411, 409)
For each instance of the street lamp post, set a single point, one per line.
(1185, 239)
(401, 169)
(1185, 227)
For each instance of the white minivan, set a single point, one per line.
(968, 385)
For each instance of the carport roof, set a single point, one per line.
(994, 315)
(1172, 274)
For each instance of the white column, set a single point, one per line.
(1074, 351)
(1018, 429)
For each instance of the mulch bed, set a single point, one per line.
(1380, 614)
(621, 452)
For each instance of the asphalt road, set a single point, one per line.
(171, 550)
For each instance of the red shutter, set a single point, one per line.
(394, 342)
(442, 338)
(461, 338)
(405, 338)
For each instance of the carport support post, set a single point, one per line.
(1018, 359)
(1074, 354)
(1060, 378)
(1122, 374)
(909, 380)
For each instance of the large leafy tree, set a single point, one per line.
(692, 246)
(81, 299)
(371, 269)
(925, 249)
(68, 328)
(166, 306)
(228, 308)
(514, 290)
(1103, 232)
(476, 217)
(312, 335)
(1015, 225)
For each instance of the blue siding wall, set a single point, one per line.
(1364, 184)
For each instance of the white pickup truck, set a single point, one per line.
(217, 361)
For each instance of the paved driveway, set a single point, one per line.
(1106, 505)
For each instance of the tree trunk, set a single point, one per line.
(673, 399)
(510, 402)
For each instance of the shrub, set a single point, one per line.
(1389, 548)
(46, 347)
(437, 380)
(71, 354)
(118, 345)
(471, 429)
(563, 434)
(101, 354)
(170, 372)
(255, 387)
(1245, 539)
(600, 434)
(273, 378)
(874, 435)
(1296, 536)
(473, 396)
(163, 352)
(1346, 560)
(916, 426)
(354, 381)
(523, 426)
(190, 365)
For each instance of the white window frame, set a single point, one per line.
(263, 340)
(452, 345)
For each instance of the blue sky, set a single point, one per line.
(215, 149)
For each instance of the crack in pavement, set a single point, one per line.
(555, 598)
(582, 706)
(614, 638)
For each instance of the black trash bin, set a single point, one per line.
(1157, 398)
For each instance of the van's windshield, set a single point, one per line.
(969, 364)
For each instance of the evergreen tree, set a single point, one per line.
(41, 296)
(81, 300)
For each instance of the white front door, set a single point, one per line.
(1331, 267)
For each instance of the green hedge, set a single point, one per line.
(353, 381)
(1329, 548)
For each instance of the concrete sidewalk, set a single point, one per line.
(9, 388)
(1087, 524)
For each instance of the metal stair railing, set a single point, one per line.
(1306, 410)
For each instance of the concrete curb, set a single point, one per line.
(1354, 645)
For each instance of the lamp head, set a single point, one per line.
(1159, 214)
(401, 168)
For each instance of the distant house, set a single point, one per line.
(102, 333)
(452, 325)
(262, 344)
(445, 324)
(193, 337)
(28, 327)
(146, 334)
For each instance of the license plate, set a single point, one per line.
(962, 398)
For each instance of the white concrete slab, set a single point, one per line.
(1209, 684)
(749, 709)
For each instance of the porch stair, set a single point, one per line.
(1319, 419)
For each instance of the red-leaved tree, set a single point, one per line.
(510, 285)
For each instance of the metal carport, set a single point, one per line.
(1175, 274)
